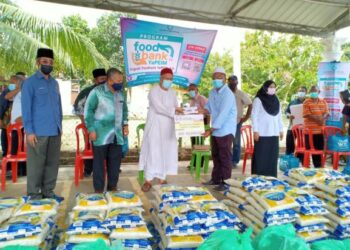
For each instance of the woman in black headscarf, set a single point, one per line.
(267, 128)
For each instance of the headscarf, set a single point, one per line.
(270, 103)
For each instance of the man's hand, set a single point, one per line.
(291, 117)
(207, 133)
(179, 110)
(92, 136)
(32, 140)
(203, 111)
(126, 130)
(256, 136)
(281, 136)
(244, 119)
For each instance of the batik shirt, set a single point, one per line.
(106, 113)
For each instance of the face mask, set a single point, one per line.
(46, 69)
(301, 94)
(12, 86)
(217, 83)
(314, 95)
(117, 86)
(271, 91)
(167, 84)
(192, 93)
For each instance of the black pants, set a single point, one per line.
(290, 147)
(112, 154)
(22, 166)
(318, 144)
(265, 156)
(221, 153)
(88, 164)
(4, 142)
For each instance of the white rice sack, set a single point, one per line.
(196, 229)
(6, 213)
(338, 201)
(250, 209)
(313, 210)
(184, 241)
(304, 198)
(224, 225)
(253, 218)
(138, 244)
(249, 183)
(333, 174)
(235, 198)
(257, 206)
(23, 226)
(340, 211)
(124, 218)
(8, 206)
(337, 188)
(307, 220)
(311, 228)
(310, 176)
(79, 215)
(87, 227)
(46, 206)
(185, 214)
(341, 235)
(277, 183)
(84, 238)
(280, 217)
(252, 224)
(200, 194)
(90, 202)
(299, 184)
(123, 199)
(66, 246)
(312, 236)
(242, 193)
(338, 227)
(338, 219)
(131, 233)
(218, 212)
(274, 200)
(168, 193)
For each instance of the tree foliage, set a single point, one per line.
(78, 24)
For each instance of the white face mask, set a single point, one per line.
(301, 94)
(271, 91)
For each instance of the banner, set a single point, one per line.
(333, 77)
(149, 47)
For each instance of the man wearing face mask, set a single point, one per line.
(42, 120)
(242, 101)
(315, 113)
(222, 108)
(158, 156)
(79, 104)
(300, 98)
(106, 118)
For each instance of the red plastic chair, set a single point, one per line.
(21, 155)
(81, 155)
(312, 150)
(327, 132)
(247, 138)
(299, 142)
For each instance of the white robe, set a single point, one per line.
(159, 155)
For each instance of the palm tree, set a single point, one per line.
(21, 34)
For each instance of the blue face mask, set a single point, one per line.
(192, 93)
(117, 86)
(217, 83)
(314, 95)
(12, 86)
(167, 84)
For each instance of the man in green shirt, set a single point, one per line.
(106, 118)
(79, 104)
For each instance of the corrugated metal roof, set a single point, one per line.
(308, 17)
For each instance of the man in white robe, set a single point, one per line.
(159, 155)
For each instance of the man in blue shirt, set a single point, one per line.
(42, 120)
(222, 108)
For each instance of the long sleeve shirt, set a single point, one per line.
(265, 124)
(222, 107)
(106, 113)
(41, 106)
(79, 103)
(288, 112)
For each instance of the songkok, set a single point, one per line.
(44, 52)
(98, 72)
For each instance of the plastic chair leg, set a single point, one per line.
(335, 161)
(244, 162)
(76, 171)
(193, 157)
(206, 164)
(3, 173)
(141, 176)
(198, 165)
(14, 171)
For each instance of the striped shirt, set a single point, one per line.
(319, 108)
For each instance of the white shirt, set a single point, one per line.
(264, 123)
(16, 111)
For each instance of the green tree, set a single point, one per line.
(346, 51)
(21, 34)
(107, 38)
(78, 24)
(214, 60)
(290, 60)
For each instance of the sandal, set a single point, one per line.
(146, 186)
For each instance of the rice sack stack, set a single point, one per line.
(336, 195)
(125, 221)
(86, 219)
(261, 201)
(304, 178)
(311, 223)
(31, 222)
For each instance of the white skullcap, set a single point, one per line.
(219, 70)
